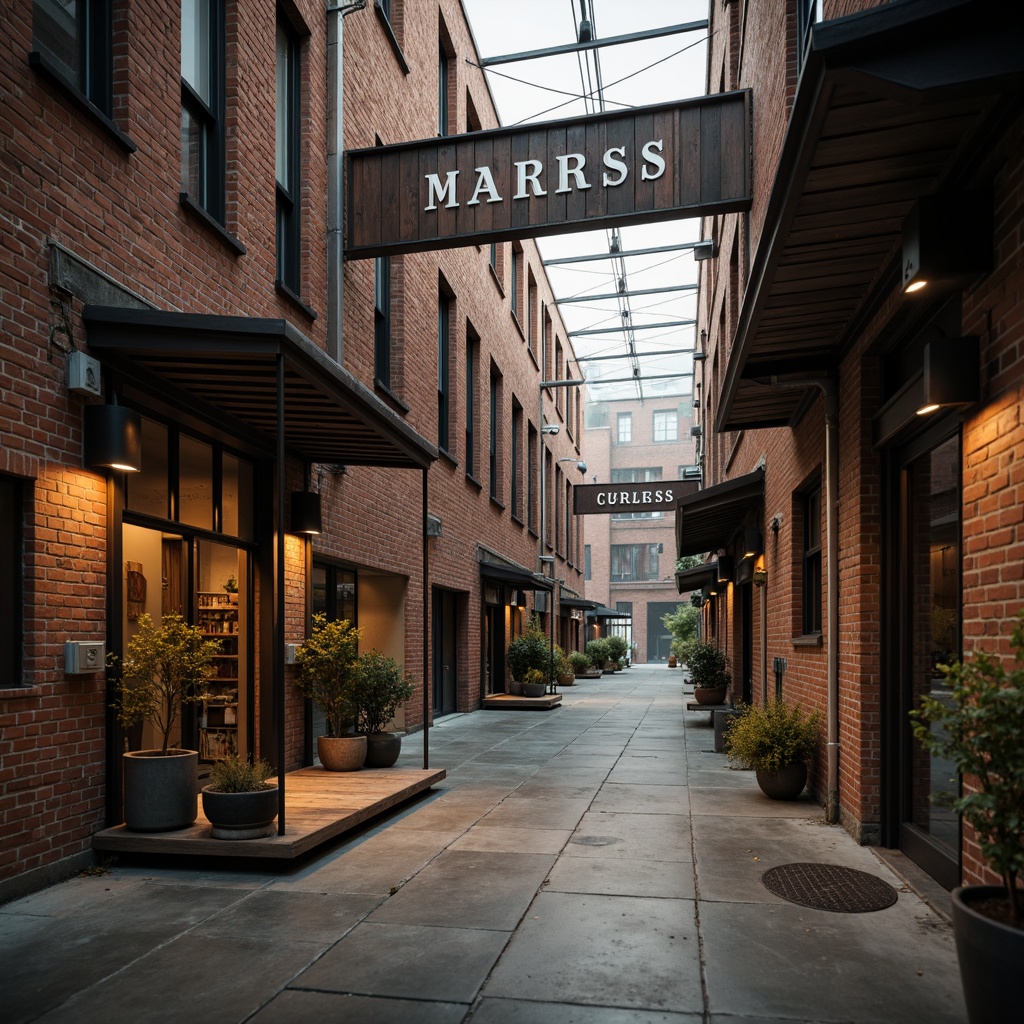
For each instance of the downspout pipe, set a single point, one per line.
(830, 392)
(336, 12)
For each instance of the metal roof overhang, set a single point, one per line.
(708, 520)
(224, 368)
(515, 576)
(604, 612)
(897, 102)
(694, 578)
(577, 602)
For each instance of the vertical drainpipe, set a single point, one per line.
(830, 392)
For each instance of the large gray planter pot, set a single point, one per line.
(785, 784)
(382, 749)
(160, 790)
(341, 753)
(534, 689)
(241, 815)
(991, 954)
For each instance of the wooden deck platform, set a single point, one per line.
(319, 806)
(510, 702)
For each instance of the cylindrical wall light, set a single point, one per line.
(306, 516)
(112, 438)
(726, 568)
(753, 542)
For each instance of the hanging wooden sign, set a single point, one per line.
(601, 171)
(619, 499)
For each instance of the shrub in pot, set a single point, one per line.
(327, 675)
(598, 652)
(564, 673)
(530, 650)
(535, 683)
(240, 800)
(580, 663)
(707, 672)
(976, 722)
(163, 667)
(776, 740)
(618, 648)
(381, 687)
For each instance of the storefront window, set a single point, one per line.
(195, 483)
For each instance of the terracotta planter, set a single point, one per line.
(567, 680)
(241, 815)
(990, 955)
(710, 694)
(382, 749)
(160, 790)
(341, 753)
(785, 784)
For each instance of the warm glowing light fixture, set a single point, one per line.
(112, 438)
(951, 374)
(726, 568)
(306, 517)
(947, 240)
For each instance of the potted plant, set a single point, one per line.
(327, 676)
(535, 682)
(530, 650)
(682, 626)
(618, 648)
(231, 588)
(777, 740)
(707, 672)
(381, 686)
(163, 667)
(565, 673)
(976, 723)
(240, 800)
(580, 664)
(597, 651)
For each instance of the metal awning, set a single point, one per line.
(224, 368)
(894, 103)
(708, 520)
(515, 576)
(694, 578)
(604, 612)
(577, 602)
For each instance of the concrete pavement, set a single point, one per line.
(593, 864)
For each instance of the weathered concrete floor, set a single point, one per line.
(593, 864)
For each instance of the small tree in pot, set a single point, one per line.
(328, 676)
(164, 666)
(707, 671)
(618, 646)
(977, 724)
(380, 688)
(530, 650)
(598, 652)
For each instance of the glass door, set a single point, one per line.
(929, 636)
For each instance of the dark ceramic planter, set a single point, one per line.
(382, 749)
(991, 956)
(534, 689)
(710, 694)
(785, 784)
(241, 815)
(160, 790)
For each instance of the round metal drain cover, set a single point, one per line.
(829, 887)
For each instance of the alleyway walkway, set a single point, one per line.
(593, 864)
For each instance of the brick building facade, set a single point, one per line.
(846, 423)
(632, 554)
(172, 242)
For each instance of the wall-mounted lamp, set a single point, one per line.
(112, 436)
(705, 250)
(306, 516)
(947, 240)
(776, 522)
(726, 568)
(753, 542)
(951, 373)
(550, 428)
(580, 465)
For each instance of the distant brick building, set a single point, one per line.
(172, 241)
(632, 560)
(864, 378)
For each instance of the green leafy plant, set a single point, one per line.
(706, 663)
(231, 584)
(978, 725)
(327, 671)
(532, 649)
(163, 668)
(682, 625)
(767, 737)
(598, 651)
(617, 648)
(535, 676)
(579, 662)
(381, 687)
(234, 774)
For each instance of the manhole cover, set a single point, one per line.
(829, 887)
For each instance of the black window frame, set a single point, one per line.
(492, 444)
(443, 82)
(472, 363)
(516, 469)
(12, 554)
(93, 75)
(811, 594)
(382, 321)
(211, 198)
(444, 308)
(289, 209)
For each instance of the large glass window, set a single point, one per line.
(633, 562)
(74, 41)
(11, 557)
(812, 562)
(202, 105)
(288, 105)
(665, 426)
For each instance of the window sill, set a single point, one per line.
(214, 225)
(390, 397)
(807, 640)
(392, 38)
(495, 278)
(518, 521)
(283, 289)
(448, 457)
(497, 503)
(42, 66)
(20, 692)
(473, 482)
(519, 326)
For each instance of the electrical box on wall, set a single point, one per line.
(289, 653)
(84, 656)
(84, 375)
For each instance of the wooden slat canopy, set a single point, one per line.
(895, 103)
(228, 364)
(708, 520)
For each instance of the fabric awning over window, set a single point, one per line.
(709, 519)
